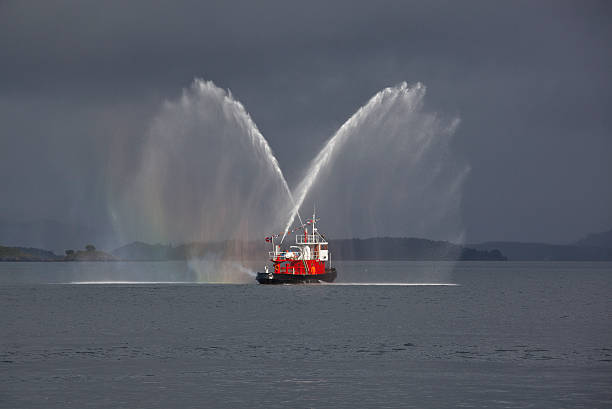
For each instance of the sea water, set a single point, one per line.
(494, 334)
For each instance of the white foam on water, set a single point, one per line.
(398, 284)
(132, 282)
(204, 283)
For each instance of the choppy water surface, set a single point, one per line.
(504, 335)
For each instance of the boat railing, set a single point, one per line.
(284, 254)
(312, 239)
(292, 255)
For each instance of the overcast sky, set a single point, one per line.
(531, 82)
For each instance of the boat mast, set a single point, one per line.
(314, 219)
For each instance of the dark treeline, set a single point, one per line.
(547, 252)
(34, 254)
(27, 254)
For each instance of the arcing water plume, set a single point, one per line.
(206, 174)
(388, 170)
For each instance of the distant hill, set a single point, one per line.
(383, 248)
(90, 255)
(34, 254)
(603, 239)
(518, 251)
(593, 247)
(26, 254)
(392, 248)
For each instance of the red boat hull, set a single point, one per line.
(273, 278)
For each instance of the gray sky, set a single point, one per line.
(529, 80)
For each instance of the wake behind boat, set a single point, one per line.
(306, 262)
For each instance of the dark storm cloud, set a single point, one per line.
(530, 81)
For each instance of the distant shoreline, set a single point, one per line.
(383, 248)
(371, 249)
(31, 254)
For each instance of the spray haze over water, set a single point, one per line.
(207, 174)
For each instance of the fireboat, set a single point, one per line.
(306, 262)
